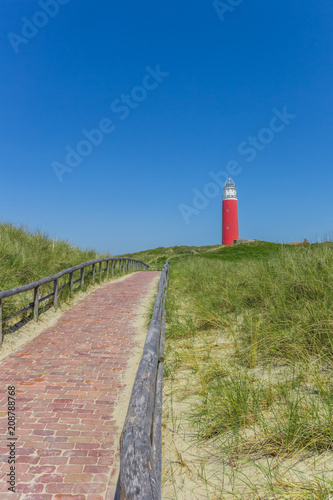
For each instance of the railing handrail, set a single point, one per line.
(141, 438)
(126, 264)
(31, 286)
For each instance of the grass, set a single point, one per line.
(158, 256)
(26, 257)
(249, 361)
(284, 300)
(250, 348)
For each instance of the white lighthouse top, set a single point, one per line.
(230, 192)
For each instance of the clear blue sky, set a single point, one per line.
(179, 90)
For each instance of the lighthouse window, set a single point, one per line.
(227, 227)
(227, 209)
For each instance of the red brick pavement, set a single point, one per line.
(67, 380)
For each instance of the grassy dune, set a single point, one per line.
(248, 411)
(26, 257)
(158, 256)
(249, 373)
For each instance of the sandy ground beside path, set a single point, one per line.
(202, 470)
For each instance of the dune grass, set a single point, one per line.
(285, 301)
(158, 256)
(250, 346)
(249, 361)
(26, 257)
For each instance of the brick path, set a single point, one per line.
(67, 380)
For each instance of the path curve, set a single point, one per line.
(69, 381)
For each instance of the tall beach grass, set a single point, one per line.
(27, 256)
(250, 341)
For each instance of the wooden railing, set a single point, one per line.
(141, 439)
(120, 265)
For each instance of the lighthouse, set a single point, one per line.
(229, 213)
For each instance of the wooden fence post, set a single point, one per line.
(93, 272)
(55, 297)
(100, 271)
(71, 281)
(82, 277)
(157, 428)
(112, 267)
(36, 302)
(141, 439)
(107, 269)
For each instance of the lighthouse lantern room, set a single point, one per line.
(229, 213)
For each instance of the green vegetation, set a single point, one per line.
(158, 256)
(249, 361)
(27, 257)
(250, 357)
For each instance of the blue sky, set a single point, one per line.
(177, 90)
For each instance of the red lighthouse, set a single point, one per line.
(229, 213)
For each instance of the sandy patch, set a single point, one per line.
(194, 469)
